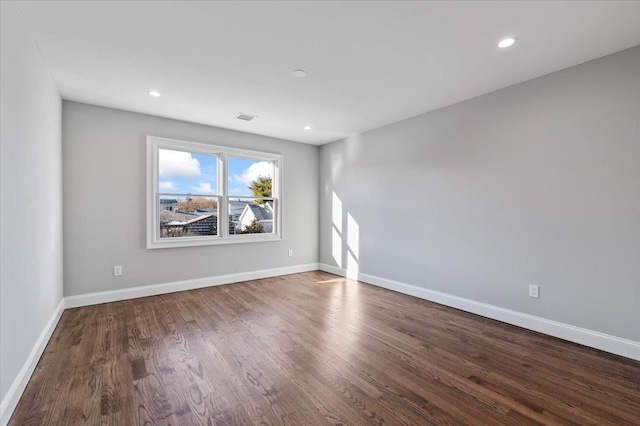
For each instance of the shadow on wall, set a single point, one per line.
(338, 233)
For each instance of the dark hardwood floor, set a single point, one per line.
(310, 349)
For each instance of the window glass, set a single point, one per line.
(251, 206)
(185, 181)
(250, 177)
(187, 172)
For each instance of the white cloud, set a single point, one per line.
(166, 185)
(203, 188)
(261, 168)
(178, 163)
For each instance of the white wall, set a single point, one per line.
(538, 183)
(104, 156)
(30, 196)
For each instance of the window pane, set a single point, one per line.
(249, 177)
(188, 216)
(251, 216)
(187, 172)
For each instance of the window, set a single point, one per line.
(190, 185)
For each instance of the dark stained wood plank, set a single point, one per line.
(315, 349)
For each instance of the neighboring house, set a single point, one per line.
(182, 224)
(206, 211)
(167, 216)
(262, 212)
(169, 204)
(206, 224)
(174, 224)
(236, 208)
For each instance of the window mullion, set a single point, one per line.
(223, 216)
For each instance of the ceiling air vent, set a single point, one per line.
(245, 117)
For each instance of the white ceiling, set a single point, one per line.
(368, 63)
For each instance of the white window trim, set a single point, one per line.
(155, 143)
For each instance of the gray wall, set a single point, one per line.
(538, 183)
(104, 158)
(30, 196)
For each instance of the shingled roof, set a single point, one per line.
(169, 216)
(261, 211)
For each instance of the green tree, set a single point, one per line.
(261, 187)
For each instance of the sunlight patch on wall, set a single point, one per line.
(336, 234)
(353, 236)
(340, 247)
(353, 247)
(352, 266)
(336, 247)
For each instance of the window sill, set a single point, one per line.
(211, 241)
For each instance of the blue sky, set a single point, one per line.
(192, 173)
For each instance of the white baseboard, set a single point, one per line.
(18, 386)
(583, 336)
(156, 289)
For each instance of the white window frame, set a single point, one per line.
(155, 143)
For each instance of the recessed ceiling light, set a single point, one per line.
(154, 93)
(299, 73)
(506, 42)
(307, 127)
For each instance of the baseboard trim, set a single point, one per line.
(172, 287)
(583, 336)
(10, 401)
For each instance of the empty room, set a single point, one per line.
(319, 213)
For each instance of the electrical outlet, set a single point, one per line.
(534, 291)
(290, 252)
(117, 270)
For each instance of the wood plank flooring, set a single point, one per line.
(315, 349)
